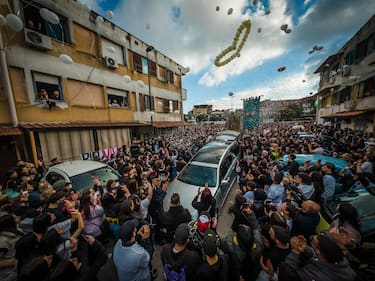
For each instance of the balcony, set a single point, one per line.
(162, 117)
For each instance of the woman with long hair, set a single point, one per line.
(207, 202)
(347, 217)
(93, 214)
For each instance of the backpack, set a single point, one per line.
(173, 274)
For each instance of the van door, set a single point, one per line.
(227, 174)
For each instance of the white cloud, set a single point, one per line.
(306, 2)
(285, 87)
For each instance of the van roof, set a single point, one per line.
(76, 167)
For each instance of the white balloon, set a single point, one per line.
(230, 11)
(14, 22)
(110, 14)
(140, 84)
(127, 79)
(49, 16)
(99, 19)
(111, 49)
(3, 21)
(66, 59)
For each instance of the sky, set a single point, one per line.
(194, 32)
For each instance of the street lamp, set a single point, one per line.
(152, 123)
(149, 49)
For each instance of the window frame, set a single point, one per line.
(38, 84)
(46, 28)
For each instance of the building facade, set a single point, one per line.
(81, 85)
(346, 95)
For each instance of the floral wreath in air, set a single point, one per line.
(243, 28)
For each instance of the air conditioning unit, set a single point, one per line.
(37, 39)
(110, 62)
(346, 70)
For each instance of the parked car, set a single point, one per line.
(229, 133)
(326, 142)
(301, 158)
(80, 174)
(215, 164)
(363, 200)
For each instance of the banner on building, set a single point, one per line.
(100, 155)
(251, 113)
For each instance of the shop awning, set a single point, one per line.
(346, 114)
(9, 131)
(161, 124)
(67, 125)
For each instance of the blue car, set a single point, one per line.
(301, 158)
(337, 162)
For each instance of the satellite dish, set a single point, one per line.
(127, 79)
(267, 12)
(3, 21)
(14, 22)
(217, 8)
(49, 16)
(140, 84)
(66, 59)
(123, 40)
(230, 11)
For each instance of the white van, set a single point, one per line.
(80, 173)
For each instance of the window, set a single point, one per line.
(349, 58)
(361, 51)
(369, 89)
(169, 76)
(140, 64)
(345, 94)
(137, 62)
(325, 75)
(34, 21)
(47, 87)
(118, 98)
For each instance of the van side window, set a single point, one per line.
(224, 167)
(53, 177)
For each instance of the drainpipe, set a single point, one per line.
(7, 86)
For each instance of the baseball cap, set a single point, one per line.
(127, 228)
(181, 234)
(209, 244)
(203, 223)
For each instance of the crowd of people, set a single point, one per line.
(58, 233)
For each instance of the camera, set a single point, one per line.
(269, 206)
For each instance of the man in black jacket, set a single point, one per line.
(180, 263)
(176, 215)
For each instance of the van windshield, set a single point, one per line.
(199, 175)
(82, 181)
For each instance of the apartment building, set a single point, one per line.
(346, 95)
(76, 83)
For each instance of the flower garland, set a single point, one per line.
(245, 25)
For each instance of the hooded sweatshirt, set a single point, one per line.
(184, 260)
